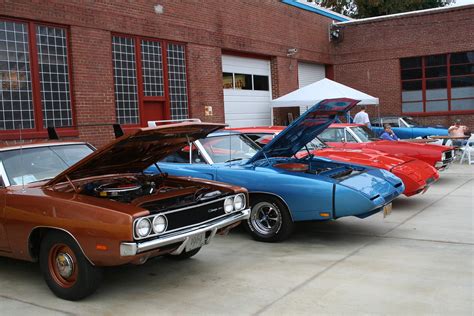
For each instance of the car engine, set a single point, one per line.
(122, 189)
(149, 191)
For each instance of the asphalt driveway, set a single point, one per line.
(419, 260)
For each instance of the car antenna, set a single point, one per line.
(230, 148)
(21, 158)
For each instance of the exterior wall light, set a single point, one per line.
(159, 9)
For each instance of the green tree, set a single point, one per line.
(369, 8)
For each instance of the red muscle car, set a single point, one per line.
(354, 136)
(415, 174)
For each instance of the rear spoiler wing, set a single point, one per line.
(118, 131)
(156, 123)
(53, 134)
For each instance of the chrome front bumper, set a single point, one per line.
(133, 248)
(443, 165)
(445, 161)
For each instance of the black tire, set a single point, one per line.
(75, 278)
(184, 255)
(270, 220)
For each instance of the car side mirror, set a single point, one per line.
(2, 184)
(343, 140)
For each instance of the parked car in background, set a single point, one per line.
(285, 189)
(406, 127)
(353, 136)
(416, 175)
(76, 217)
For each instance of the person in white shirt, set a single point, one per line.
(362, 117)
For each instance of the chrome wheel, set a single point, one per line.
(266, 218)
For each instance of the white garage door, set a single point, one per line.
(247, 94)
(307, 74)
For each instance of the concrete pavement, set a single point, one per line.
(419, 260)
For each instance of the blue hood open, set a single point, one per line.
(304, 129)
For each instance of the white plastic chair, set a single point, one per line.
(468, 150)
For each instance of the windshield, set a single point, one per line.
(410, 121)
(40, 163)
(364, 133)
(229, 147)
(314, 144)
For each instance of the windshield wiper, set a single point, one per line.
(44, 179)
(234, 159)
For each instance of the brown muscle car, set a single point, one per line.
(76, 217)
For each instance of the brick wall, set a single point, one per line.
(368, 56)
(92, 78)
(266, 27)
(284, 72)
(205, 82)
(366, 59)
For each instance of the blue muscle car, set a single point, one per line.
(406, 127)
(284, 189)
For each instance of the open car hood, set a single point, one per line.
(134, 152)
(305, 128)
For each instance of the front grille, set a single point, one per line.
(169, 204)
(195, 215)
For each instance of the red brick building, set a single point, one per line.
(82, 66)
(419, 63)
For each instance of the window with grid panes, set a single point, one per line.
(462, 81)
(54, 76)
(177, 81)
(438, 83)
(152, 78)
(18, 109)
(125, 80)
(152, 68)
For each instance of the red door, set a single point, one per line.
(153, 111)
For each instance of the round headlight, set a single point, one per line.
(239, 202)
(143, 227)
(160, 223)
(229, 205)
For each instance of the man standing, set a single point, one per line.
(362, 117)
(388, 133)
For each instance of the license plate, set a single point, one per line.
(387, 210)
(195, 241)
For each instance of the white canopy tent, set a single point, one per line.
(320, 90)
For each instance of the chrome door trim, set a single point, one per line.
(3, 173)
(204, 152)
(353, 134)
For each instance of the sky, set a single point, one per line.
(462, 2)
